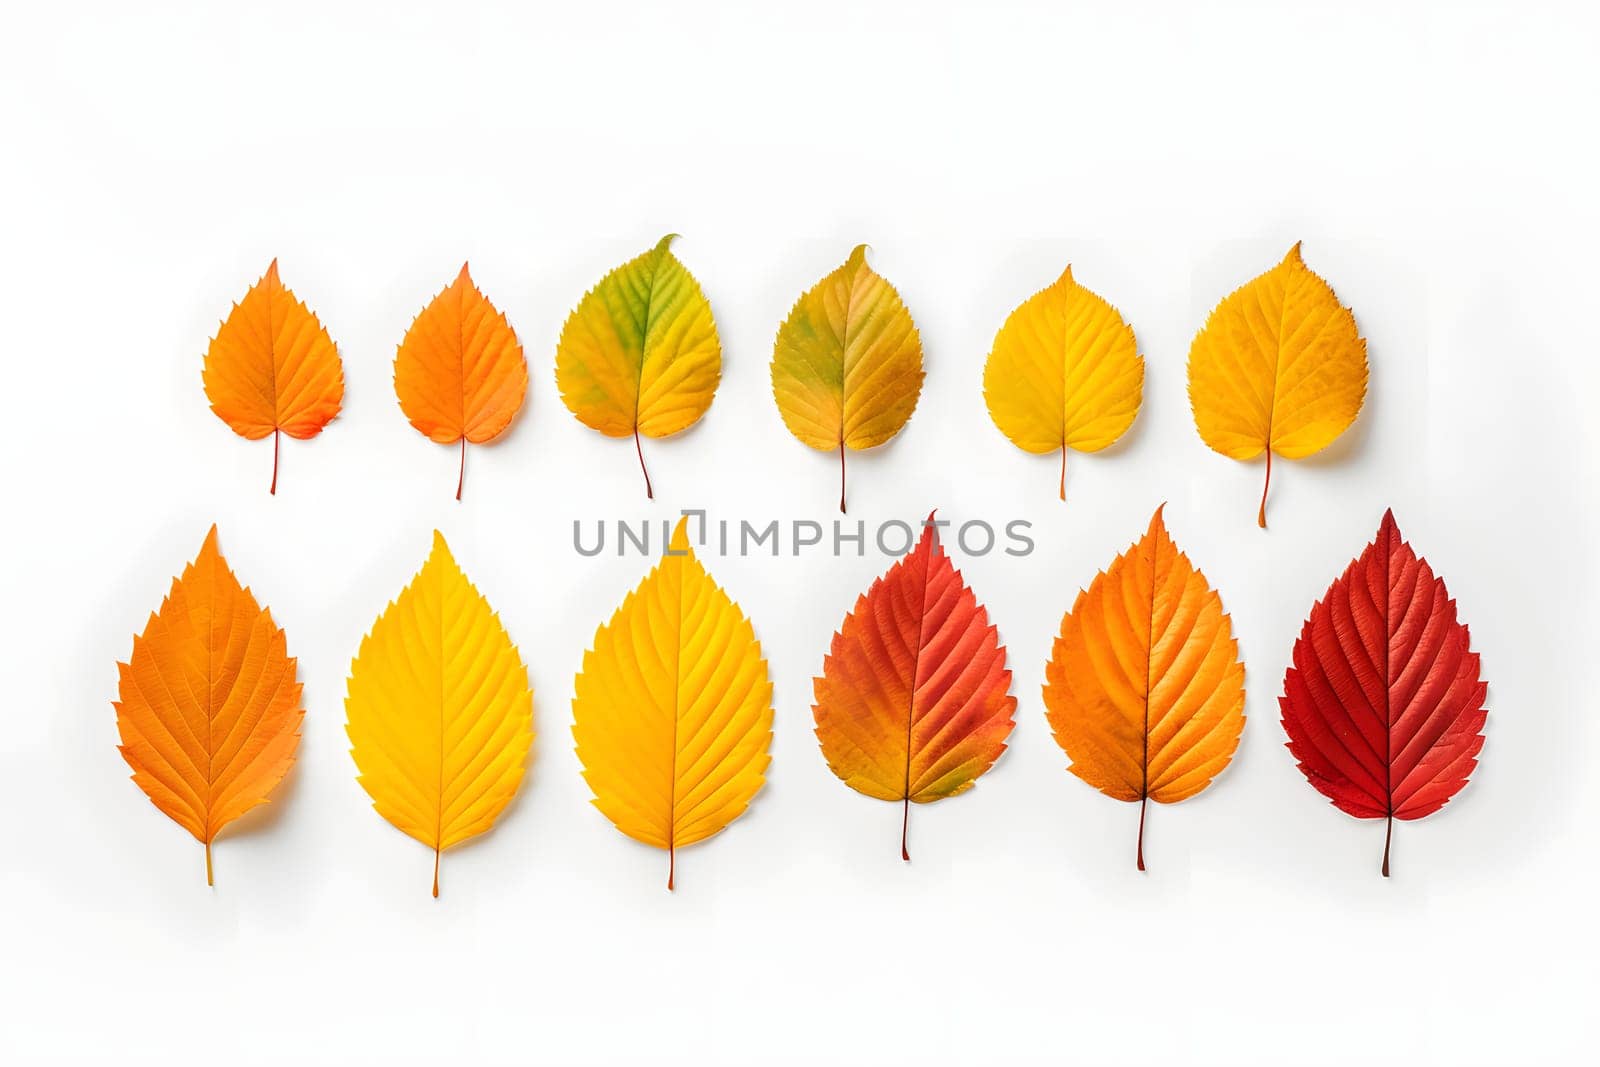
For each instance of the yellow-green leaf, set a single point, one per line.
(847, 366)
(639, 354)
(1064, 373)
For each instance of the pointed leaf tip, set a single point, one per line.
(857, 257)
(1294, 255)
(665, 244)
(1066, 277)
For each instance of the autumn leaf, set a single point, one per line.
(438, 710)
(1064, 373)
(459, 372)
(914, 700)
(272, 368)
(1278, 367)
(673, 712)
(1384, 704)
(639, 354)
(209, 713)
(847, 367)
(1144, 690)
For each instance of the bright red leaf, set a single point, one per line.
(1384, 706)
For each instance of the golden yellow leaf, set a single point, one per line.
(847, 366)
(639, 354)
(209, 713)
(272, 368)
(1064, 373)
(438, 709)
(673, 712)
(1144, 690)
(1278, 367)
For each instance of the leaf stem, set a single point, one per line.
(649, 492)
(1261, 516)
(672, 866)
(461, 478)
(1144, 802)
(276, 433)
(905, 824)
(1388, 836)
(436, 868)
(841, 476)
(1063, 489)
(209, 880)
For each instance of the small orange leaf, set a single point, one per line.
(460, 374)
(1144, 689)
(272, 368)
(209, 713)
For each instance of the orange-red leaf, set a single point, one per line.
(914, 700)
(1384, 704)
(209, 713)
(272, 368)
(460, 374)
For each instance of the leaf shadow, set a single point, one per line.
(264, 818)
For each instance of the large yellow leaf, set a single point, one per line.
(1278, 367)
(1064, 373)
(673, 712)
(1144, 690)
(438, 710)
(209, 713)
(847, 366)
(639, 354)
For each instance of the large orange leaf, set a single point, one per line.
(914, 700)
(272, 368)
(1144, 690)
(210, 708)
(460, 374)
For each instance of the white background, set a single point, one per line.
(1436, 159)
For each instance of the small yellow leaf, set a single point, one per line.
(639, 354)
(1278, 367)
(1064, 373)
(673, 712)
(847, 366)
(438, 710)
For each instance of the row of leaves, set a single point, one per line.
(1278, 367)
(672, 714)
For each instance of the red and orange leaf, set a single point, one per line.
(460, 373)
(272, 368)
(209, 713)
(1384, 704)
(1144, 690)
(914, 700)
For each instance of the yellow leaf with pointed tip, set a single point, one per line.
(673, 712)
(639, 354)
(847, 366)
(1278, 367)
(1064, 373)
(438, 710)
